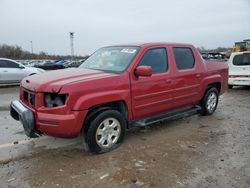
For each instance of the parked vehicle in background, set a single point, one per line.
(119, 87)
(25, 63)
(49, 65)
(214, 56)
(241, 46)
(12, 72)
(29, 63)
(73, 64)
(60, 62)
(38, 63)
(32, 63)
(239, 69)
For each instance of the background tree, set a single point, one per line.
(16, 52)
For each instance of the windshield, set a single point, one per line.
(111, 59)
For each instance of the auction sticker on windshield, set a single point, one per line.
(128, 50)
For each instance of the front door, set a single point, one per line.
(151, 95)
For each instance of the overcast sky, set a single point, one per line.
(96, 23)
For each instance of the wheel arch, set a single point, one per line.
(216, 85)
(32, 74)
(93, 111)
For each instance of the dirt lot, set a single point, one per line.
(212, 151)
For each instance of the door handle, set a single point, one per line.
(168, 81)
(5, 71)
(198, 75)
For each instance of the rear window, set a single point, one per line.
(241, 59)
(184, 58)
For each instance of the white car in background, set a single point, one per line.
(239, 69)
(12, 72)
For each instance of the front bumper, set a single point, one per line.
(19, 112)
(54, 122)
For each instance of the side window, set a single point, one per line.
(10, 64)
(157, 59)
(2, 64)
(184, 58)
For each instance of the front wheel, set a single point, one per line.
(106, 131)
(210, 102)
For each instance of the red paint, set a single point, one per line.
(143, 96)
(143, 71)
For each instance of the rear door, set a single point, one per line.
(151, 95)
(187, 77)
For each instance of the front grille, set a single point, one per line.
(29, 98)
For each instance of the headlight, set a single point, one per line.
(54, 99)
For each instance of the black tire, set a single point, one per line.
(230, 86)
(97, 122)
(205, 108)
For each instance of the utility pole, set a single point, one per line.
(31, 46)
(71, 35)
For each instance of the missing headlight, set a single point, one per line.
(54, 99)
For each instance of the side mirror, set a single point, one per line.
(143, 71)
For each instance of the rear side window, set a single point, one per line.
(241, 60)
(184, 58)
(157, 59)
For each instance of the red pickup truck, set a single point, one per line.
(119, 87)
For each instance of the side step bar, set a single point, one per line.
(184, 112)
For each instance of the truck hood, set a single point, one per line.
(53, 81)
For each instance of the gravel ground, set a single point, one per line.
(211, 151)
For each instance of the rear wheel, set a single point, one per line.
(230, 86)
(106, 131)
(210, 101)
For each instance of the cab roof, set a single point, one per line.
(149, 44)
